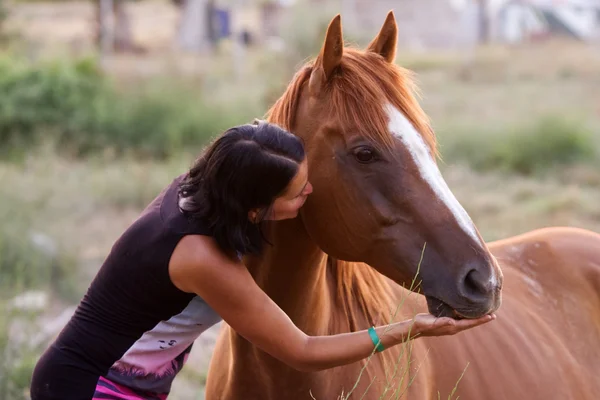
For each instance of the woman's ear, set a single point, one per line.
(253, 215)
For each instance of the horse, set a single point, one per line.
(382, 237)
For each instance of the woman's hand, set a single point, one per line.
(428, 325)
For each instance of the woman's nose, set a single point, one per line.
(308, 189)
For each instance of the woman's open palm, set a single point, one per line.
(429, 325)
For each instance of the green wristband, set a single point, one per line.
(375, 339)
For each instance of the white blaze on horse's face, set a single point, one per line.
(404, 130)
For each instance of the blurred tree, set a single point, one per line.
(484, 21)
(196, 31)
(3, 15)
(113, 26)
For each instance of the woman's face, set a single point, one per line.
(288, 204)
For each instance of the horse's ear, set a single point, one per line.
(330, 56)
(386, 40)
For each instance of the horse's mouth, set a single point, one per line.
(440, 308)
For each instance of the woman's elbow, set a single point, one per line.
(304, 360)
(305, 365)
(297, 355)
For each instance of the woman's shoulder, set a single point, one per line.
(196, 254)
(203, 250)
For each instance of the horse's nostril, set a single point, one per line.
(472, 283)
(476, 286)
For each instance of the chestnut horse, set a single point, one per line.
(381, 214)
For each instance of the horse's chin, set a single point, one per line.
(440, 309)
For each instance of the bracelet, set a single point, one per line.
(375, 339)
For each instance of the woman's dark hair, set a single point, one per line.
(246, 168)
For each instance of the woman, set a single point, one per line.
(177, 270)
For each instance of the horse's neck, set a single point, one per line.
(293, 273)
(321, 296)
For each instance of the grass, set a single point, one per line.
(18, 360)
(502, 206)
(27, 259)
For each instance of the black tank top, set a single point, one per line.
(133, 325)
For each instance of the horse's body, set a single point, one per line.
(545, 343)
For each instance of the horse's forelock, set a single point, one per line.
(366, 84)
(357, 95)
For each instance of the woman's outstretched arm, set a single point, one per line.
(197, 266)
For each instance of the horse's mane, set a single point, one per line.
(357, 93)
(360, 285)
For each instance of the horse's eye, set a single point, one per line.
(364, 155)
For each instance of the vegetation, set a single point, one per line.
(80, 110)
(29, 260)
(533, 148)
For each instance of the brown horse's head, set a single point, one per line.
(379, 197)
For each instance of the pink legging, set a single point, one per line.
(108, 390)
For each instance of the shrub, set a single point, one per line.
(526, 149)
(81, 111)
